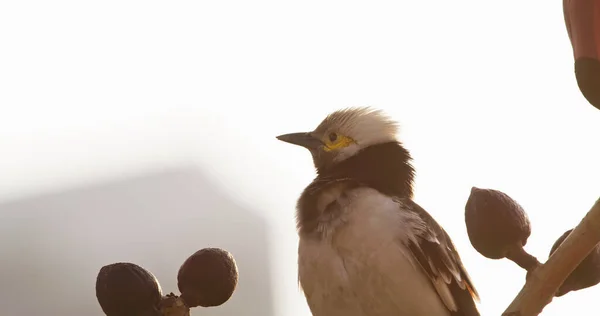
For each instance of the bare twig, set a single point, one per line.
(544, 281)
(521, 257)
(173, 305)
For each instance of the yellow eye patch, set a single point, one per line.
(339, 142)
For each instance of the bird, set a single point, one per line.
(366, 248)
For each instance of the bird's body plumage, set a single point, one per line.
(366, 248)
(363, 266)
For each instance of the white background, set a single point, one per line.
(485, 93)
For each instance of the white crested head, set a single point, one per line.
(365, 125)
(359, 127)
(345, 132)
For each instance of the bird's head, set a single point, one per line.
(344, 133)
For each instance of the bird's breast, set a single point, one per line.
(362, 268)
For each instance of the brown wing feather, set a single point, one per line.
(436, 254)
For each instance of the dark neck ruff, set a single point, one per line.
(385, 167)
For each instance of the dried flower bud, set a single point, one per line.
(207, 278)
(581, 18)
(126, 289)
(585, 275)
(498, 227)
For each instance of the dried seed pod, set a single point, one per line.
(581, 20)
(498, 227)
(207, 278)
(585, 275)
(124, 289)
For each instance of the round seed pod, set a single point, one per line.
(207, 278)
(124, 289)
(586, 274)
(498, 227)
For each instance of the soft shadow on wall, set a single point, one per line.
(52, 246)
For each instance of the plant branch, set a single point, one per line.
(544, 281)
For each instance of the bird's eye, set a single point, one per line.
(333, 137)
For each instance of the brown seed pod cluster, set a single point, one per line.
(586, 274)
(207, 278)
(498, 227)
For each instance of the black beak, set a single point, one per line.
(305, 140)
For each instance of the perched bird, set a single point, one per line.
(366, 248)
